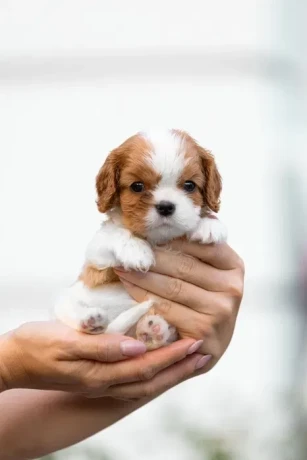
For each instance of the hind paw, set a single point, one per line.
(155, 332)
(94, 322)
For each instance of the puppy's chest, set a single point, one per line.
(92, 276)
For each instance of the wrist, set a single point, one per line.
(10, 369)
(4, 369)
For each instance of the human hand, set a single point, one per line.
(198, 289)
(49, 355)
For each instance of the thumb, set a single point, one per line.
(107, 348)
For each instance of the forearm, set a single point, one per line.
(34, 423)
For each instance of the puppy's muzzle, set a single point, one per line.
(165, 208)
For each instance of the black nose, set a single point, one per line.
(165, 208)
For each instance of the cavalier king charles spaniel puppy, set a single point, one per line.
(153, 188)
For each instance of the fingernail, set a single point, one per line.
(195, 347)
(132, 348)
(202, 361)
(126, 283)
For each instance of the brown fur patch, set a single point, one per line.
(125, 165)
(135, 206)
(202, 163)
(93, 277)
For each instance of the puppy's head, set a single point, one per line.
(162, 183)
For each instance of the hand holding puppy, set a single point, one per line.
(197, 288)
(51, 356)
(156, 187)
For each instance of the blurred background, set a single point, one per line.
(76, 78)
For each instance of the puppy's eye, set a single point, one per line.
(189, 186)
(137, 187)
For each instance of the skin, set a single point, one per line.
(200, 297)
(34, 423)
(51, 356)
(198, 289)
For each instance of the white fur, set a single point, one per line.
(209, 231)
(109, 308)
(79, 303)
(129, 318)
(185, 218)
(113, 245)
(167, 155)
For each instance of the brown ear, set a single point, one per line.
(107, 183)
(213, 180)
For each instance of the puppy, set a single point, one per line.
(154, 188)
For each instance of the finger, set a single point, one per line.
(192, 270)
(163, 381)
(213, 325)
(137, 293)
(218, 255)
(144, 367)
(173, 289)
(105, 348)
(188, 322)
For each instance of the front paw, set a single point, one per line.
(210, 230)
(136, 254)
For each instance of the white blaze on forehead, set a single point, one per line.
(167, 155)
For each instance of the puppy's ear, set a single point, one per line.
(107, 183)
(213, 181)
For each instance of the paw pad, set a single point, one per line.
(93, 324)
(155, 332)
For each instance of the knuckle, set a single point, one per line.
(94, 385)
(174, 288)
(225, 312)
(185, 265)
(164, 307)
(235, 287)
(203, 330)
(146, 373)
(226, 303)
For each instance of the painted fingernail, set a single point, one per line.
(202, 361)
(195, 347)
(132, 348)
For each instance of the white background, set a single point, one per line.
(76, 79)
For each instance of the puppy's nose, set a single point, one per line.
(165, 208)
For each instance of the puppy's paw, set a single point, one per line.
(136, 255)
(210, 230)
(93, 322)
(155, 332)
